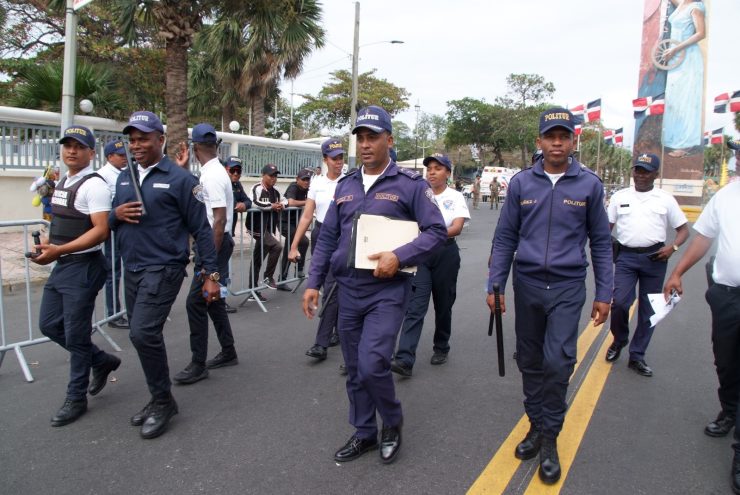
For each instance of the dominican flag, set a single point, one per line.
(649, 105)
(578, 118)
(619, 136)
(727, 101)
(593, 111)
(716, 136)
(609, 136)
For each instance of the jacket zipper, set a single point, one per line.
(547, 245)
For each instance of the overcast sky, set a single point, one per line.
(456, 48)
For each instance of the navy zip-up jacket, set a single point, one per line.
(398, 193)
(547, 226)
(173, 200)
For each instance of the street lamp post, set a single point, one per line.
(417, 107)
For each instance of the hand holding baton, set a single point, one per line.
(134, 173)
(328, 298)
(499, 329)
(36, 240)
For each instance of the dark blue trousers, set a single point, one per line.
(112, 288)
(149, 297)
(546, 337)
(725, 305)
(65, 316)
(436, 278)
(368, 326)
(629, 270)
(199, 311)
(328, 321)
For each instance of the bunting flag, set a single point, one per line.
(619, 136)
(727, 101)
(716, 137)
(649, 105)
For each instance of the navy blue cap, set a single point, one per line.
(270, 169)
(374, 118)
(332, 148)
(145, 122)
(442, 159)
(734, 144)
(204, 133)
(648, 161)
(394, 155)
(79, 133)
(114, 148)
(557, 117)
(233, 161)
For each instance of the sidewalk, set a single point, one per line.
(13, 263)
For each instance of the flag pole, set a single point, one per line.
(598, 150)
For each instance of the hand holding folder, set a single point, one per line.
(374, 234)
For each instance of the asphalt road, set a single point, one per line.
(272, 424)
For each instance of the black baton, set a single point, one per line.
(499, 329)
(331, 293)
(134, 173)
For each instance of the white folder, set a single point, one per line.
(376, 233)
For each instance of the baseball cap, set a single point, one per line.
(233, 161)
(204, 133)
(648, 161)
(393, 154)
(304, 173)
(442, 159)
(557, 117)
(79, 133)
(332, 148)
(145, 122)
(374, 118)
(270, 169)
(114, 148)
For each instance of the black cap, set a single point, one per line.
(270, 169)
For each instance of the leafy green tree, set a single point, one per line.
(330, 108)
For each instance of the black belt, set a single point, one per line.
(73, 258)
(728, 288)
(649, 249)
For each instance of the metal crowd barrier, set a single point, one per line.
(243, 278)
(16, 342)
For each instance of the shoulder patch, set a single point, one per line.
(412, 174)
(198, 192)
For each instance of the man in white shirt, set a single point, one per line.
(219, 201)
(718, 221)
(80, 207)
(639, 217)
(115, 155)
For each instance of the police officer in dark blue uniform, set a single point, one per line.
(80, 207)
(155, 251)
(550, 210)
(372, 303)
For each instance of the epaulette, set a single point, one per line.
(349, 174)
(586, 169)
(411, 174)
(522, 170)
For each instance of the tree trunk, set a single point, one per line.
(176, 96)
(227, 115)
(258, 116)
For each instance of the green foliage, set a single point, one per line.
(330, 108)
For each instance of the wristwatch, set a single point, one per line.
(215, 276)
(675, 248)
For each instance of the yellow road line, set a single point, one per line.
(576, 421)
(498, 473)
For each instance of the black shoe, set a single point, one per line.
(721, 426)
(192, 373)
(160, 413)
(100, 375)
(69, 412)
(223, 359)
(317, 352)
(439, 358)
(139, 418)
(530, 446)
(343, 369)
(640, 367)
(735, 473)
(390, 443)
(120, 322)
(334, 339)
(401, 368)
(354, 448)
(270, 283)
(612, 354)
(549, 461)
(259, 296)
(230, 309)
